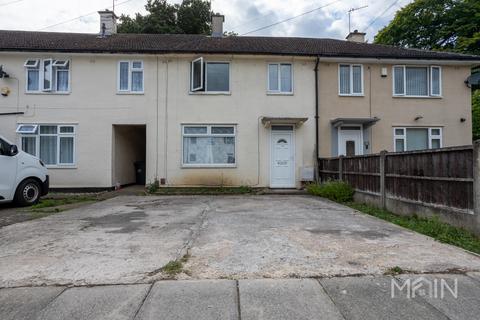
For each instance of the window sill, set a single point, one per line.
(61, 166)
(419, 97)
(206, 166)
(351, 95)
(211, 93)
(128, 93)
(279, 93)
(48, 93)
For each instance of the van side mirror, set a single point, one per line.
(13, 150)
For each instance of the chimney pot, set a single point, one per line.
(217, 25)
(108, 22)
(356, 36)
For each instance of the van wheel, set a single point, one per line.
(28, 193)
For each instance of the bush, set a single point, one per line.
(476, 115)
(153, 187)
(338, 191)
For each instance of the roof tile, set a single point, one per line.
(181, 43)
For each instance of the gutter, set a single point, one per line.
(11, 113)
(316, 119)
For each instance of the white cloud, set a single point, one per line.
(241, 15)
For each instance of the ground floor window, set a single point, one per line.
(53, 144)
(209, 145)
(409, 139)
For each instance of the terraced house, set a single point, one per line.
(214, 110)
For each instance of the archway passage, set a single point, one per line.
(129, 155)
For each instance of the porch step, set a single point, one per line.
(284, 191)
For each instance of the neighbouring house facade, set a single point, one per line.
(230, 111)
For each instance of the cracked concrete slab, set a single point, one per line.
(200, 300)
(304, 236)
(129, 239)
(285, 299)
(27, 302)
(121, 240)
(96, 303)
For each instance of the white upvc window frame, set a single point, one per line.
(62, 68)
(37, 134)
(54, 67)
(21, 129)
(36, 63)
(351, 94)
(44, 73)
(204, 77)
(131, 69)
(202, 73)
(403, 136)
(60, 63)
(439, 81)
(209, 134)
(279, 78)
(429, 81)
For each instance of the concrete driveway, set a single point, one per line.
(129, 239)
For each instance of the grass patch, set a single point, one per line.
(203, 190)
(173, 267)
(394, 271)
(338, 191)
(153, 187)
(55, 205)
(432, 227)
(176, 266)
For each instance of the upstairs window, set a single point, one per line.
(350, 79)
(53, 144)
(417, 81)
(280, 78)
(209, 76)
(130, 76)
(47, 75)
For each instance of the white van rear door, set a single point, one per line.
(8, 172)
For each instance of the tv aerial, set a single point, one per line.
(350, 18)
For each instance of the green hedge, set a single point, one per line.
(338, 191)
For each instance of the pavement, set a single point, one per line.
(128, 239)
(361, 298)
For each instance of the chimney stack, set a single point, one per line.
(108, 22)
(217, 25)
(356, 36)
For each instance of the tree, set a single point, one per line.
(194, 17)
(190, 17)
(476, 115)
(451, 25)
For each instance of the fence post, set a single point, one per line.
(476, 183)
(383, 194)
(340, 168)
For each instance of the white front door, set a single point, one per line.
(350, 141)
(282, 167)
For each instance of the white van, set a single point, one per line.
(23, 177)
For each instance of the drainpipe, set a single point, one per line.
(316, 119)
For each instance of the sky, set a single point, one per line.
(241, 16)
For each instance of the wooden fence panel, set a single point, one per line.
(441, 177)
(328, 169)
(362, 173)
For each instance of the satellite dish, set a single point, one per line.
(473, 80)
